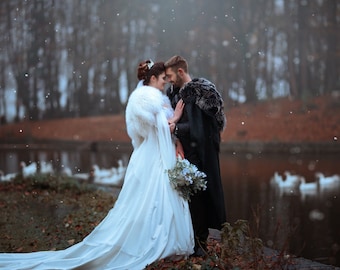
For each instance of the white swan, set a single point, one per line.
(328, 182)
(121, 167)
(7, 177)
(46, 167)
(114, 180)
(100, 173)
(113, 176)
(292, 179)
(81, 176)
(311, 187)
(276, 179)
(289, 185)
(308, 188)
(65, 171)
(28, 170)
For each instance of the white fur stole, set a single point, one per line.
(140, 115)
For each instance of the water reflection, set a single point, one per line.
(76, 161)
(305, 221)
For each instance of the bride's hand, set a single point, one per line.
(179, 149)
(172, 127)
(178, 111)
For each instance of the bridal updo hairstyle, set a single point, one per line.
(145, 73)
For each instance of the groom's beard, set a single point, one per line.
(179, 82)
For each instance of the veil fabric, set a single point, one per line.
(140, 83)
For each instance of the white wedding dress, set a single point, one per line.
(149, 220)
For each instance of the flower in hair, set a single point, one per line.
(150, 63)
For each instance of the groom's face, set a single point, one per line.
(173, 77)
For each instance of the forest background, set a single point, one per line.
(66, 59)
(68, 67)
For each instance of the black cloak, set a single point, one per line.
(199, 132)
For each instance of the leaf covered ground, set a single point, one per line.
(46, 212)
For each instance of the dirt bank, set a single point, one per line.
(281, 120)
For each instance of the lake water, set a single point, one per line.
(306, 225)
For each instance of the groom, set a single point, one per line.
(199, 132)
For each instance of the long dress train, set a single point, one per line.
(149, 220)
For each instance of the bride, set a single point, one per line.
(149, 220)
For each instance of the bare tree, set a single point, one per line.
(3, 63)
(68, 58)
(332, 58)
(18, 16)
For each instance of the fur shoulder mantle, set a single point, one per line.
(140, 115)
(204, 94)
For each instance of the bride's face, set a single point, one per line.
(159, 82)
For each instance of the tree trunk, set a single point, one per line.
(332, 72)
